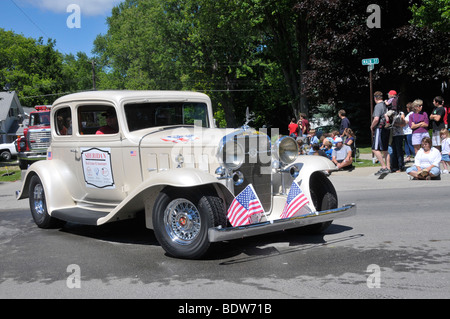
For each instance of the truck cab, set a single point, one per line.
(32, 146)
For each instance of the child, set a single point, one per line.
(327, 148)
(445, 150)
(313, 138)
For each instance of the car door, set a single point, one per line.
(94, 155)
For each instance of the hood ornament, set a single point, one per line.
(248, 118)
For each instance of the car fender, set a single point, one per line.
(308, 165)
(55, 176)
(144, 195)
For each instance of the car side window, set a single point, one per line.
(97, 120)
(63, 121)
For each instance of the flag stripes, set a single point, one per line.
(243, 207)
(295, 201)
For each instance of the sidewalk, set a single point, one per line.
(370, 171)
(363, 178)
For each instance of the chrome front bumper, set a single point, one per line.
(221, 234)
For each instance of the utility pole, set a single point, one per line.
(93, 76)
(371, 94)
(370, 66)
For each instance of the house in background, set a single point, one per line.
(11, 116)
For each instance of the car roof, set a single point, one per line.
(120, 95)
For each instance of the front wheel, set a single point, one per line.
(38, 205)
(5, 156)
(181, 223)
(324, 197)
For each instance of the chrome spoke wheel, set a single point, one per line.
(38, 196)
(182, 221)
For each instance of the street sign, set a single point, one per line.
(370, 67)
(370, 61)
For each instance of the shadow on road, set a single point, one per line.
(132, 231)
(247, 249)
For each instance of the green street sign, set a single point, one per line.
(370, 61)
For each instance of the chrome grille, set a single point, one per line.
(39, 139)
(257, 167)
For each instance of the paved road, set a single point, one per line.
(396, 247)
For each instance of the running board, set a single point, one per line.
(79, 215)
(217, 234)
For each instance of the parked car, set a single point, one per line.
(160, 154)
(7, 151)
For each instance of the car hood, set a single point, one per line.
(186, 137)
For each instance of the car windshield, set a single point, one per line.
(41, 118)
(146, 115)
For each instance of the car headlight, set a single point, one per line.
(286, 150)
(232, 155)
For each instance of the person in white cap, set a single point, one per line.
(342, 155)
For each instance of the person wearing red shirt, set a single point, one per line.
(293, 128)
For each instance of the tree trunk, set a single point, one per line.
(302, 40)
(228, 107)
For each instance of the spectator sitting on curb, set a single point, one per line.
(312, 140)
(426, 162)
(342, 155)
(318, 151)
(327, 148)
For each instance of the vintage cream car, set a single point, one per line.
(116, 154)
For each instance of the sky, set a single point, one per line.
(74, 24)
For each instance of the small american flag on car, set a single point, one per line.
(245, 207)
(296, 199)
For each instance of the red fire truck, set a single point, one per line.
(32, 146)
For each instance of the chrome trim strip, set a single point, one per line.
(221, 234)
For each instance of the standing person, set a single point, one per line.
(407, 133)
(293, 127)
(426, 162)
(345, 122)
(437, 121)
(380, 134)
(418, 122)
(305, 124)
(396, 158)
(300, 128)
(445, 152)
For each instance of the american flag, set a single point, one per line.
(244, 206)
(295, 201)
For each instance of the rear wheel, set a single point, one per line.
(38, 205)
(181, 222)
(324, 197)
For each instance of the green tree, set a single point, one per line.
(78, 72)
(432, 13)
(30, 67)
(192, 45)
